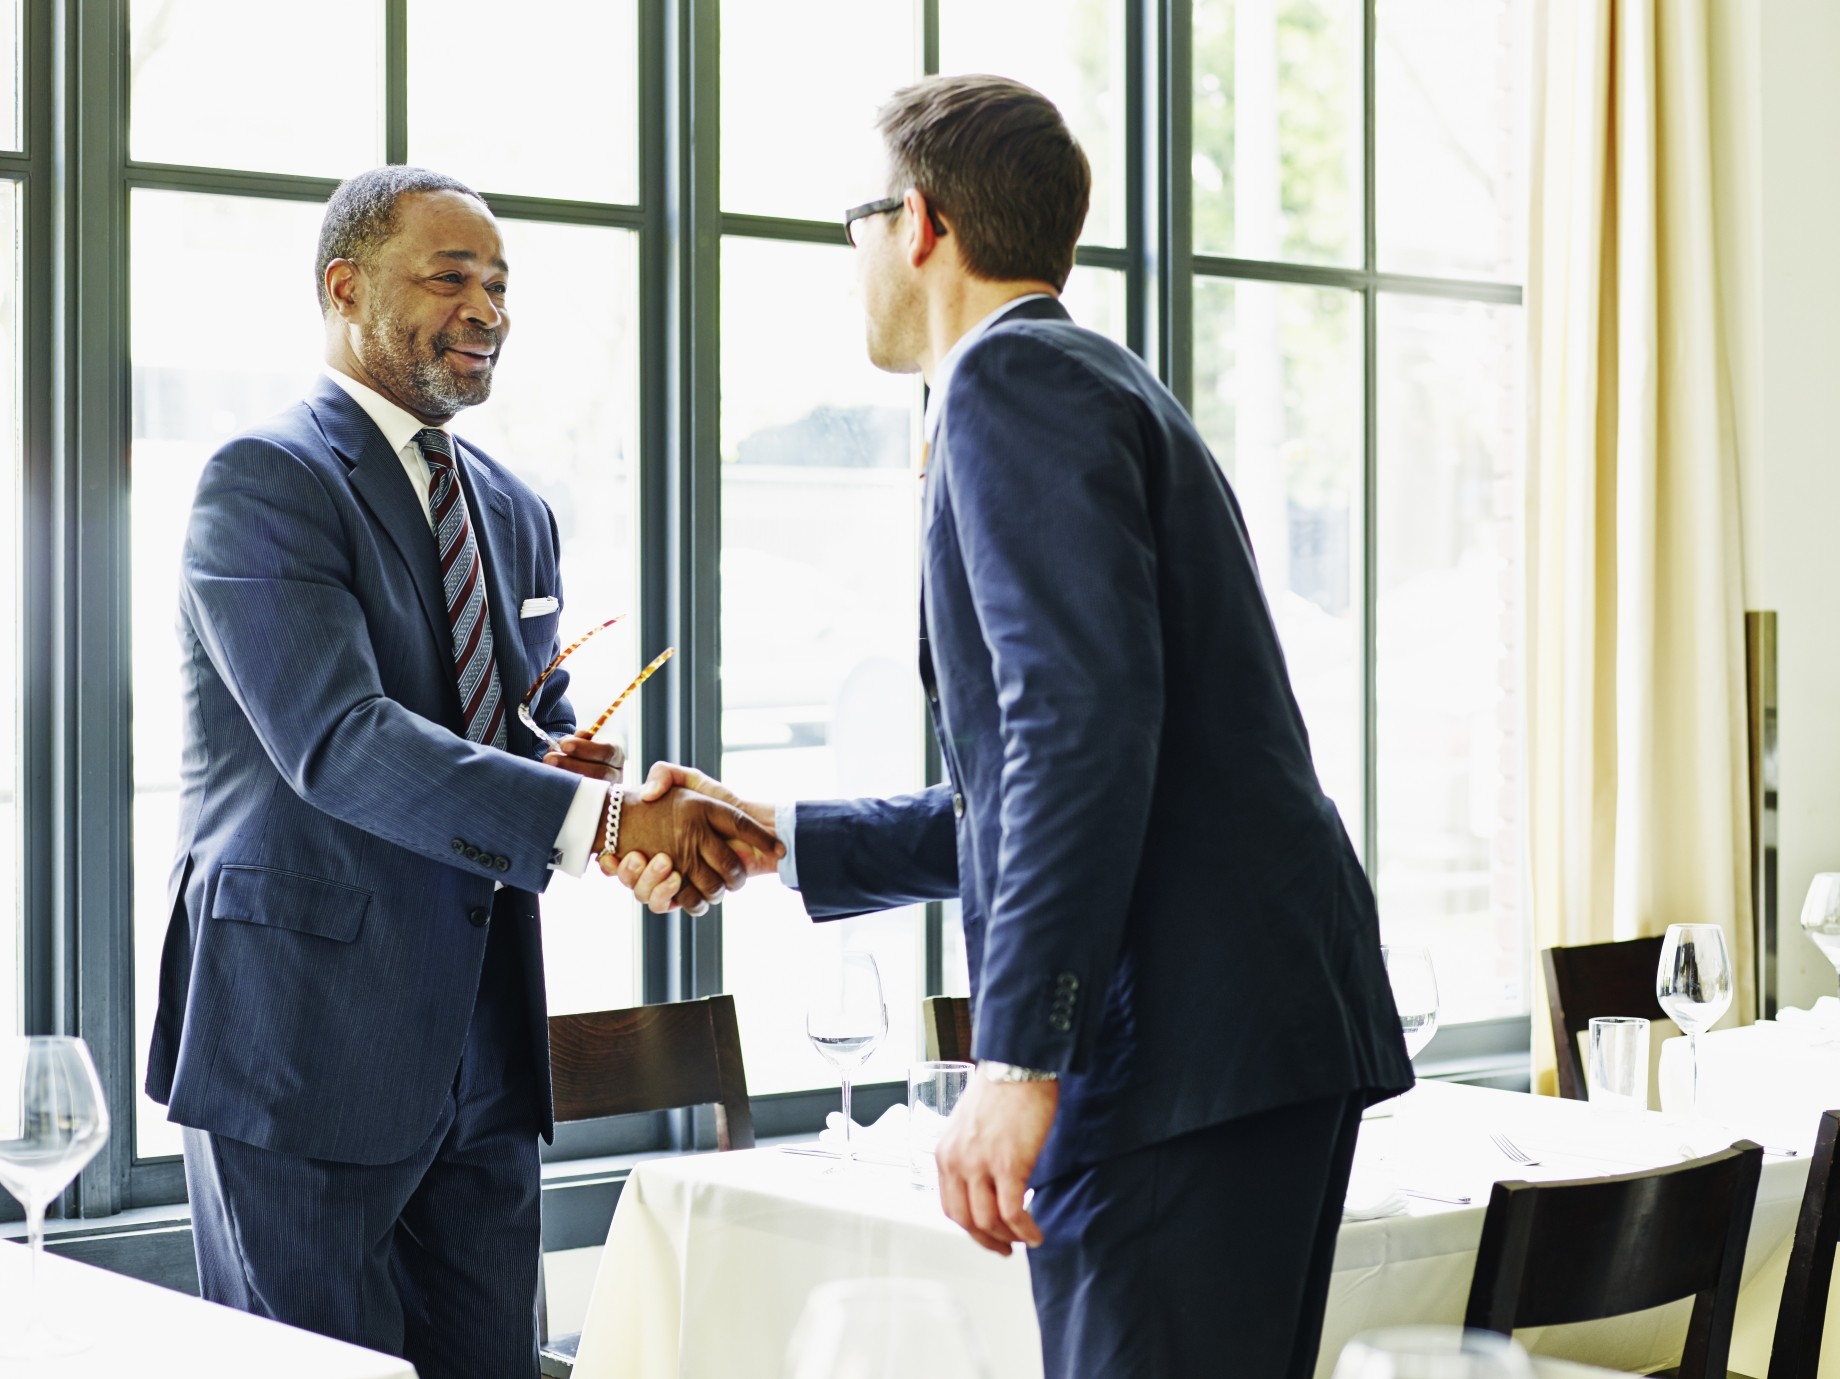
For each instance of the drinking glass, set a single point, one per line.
(846, 1019)
(1415, 994)
(1821, 915)
(1619, 1063)
(884, 1328)
(1432, 1352)
(1693, 984)
(52, 1122)
(933, 1089)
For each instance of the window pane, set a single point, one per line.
(801, 82)
(820, 609)
(564, 417)
(9, 79)
(1278, 398)
(1450, 84)
(11, 912)
(1450, 664)
(208, 88)
(197, 381)
(1073, 52)
(562, 117)
(1095, 297)
(1277, 129)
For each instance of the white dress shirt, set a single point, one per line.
(399, 428)
(786, 816)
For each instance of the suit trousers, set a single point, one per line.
(1203, 1256)
(434, 1258)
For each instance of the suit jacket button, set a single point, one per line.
(1059, 1023)
(459, 846)
(958, 806)
(477, 916)
(502, 863)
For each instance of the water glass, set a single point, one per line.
(1432, 1352)
(1415, 993)
(1693, 983)
(884, 1328)
(52, 1122)
(846, 1019)
(1619, 1063)
(933, 1090)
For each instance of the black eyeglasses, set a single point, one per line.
(883, 207)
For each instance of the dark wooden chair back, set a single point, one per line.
(1600, 1247)
(948, 1028)
(1593, 979)
(653, 1058)
(1796, 1353)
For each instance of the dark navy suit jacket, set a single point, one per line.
(339, 841)
(1159, 902)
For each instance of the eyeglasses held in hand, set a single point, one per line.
(530, 695)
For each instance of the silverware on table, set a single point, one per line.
(1453, 1200)
(1513, 1150)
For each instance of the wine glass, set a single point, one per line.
(884, 1328)
(52, 1122)
(846, 1019)
(1693, 985)
(1415, 994)
(1821, 915)
(1432, 1352)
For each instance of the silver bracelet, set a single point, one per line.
(610, 832)
(992, 1071)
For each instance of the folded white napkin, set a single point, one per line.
(1369, 1196)
(884, 1142)
(1820, 1024)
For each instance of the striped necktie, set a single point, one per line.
(482, 704)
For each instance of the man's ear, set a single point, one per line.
(344, 285)
(917, 220)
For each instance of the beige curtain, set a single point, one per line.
(1637, 762)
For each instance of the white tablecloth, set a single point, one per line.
(150, 1332)
(710, 1259)
(1768, 1081)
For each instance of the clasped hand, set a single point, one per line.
(678, 814)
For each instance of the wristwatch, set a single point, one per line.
(992, 1071)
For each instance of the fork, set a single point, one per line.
(1513, 1150)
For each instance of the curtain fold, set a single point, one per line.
(1638, 809)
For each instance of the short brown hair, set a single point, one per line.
(995, 158)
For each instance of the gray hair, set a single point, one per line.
(361, 215)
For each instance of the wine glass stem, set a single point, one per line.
(848, 1128)
(35, 1237)
(1693, 1057)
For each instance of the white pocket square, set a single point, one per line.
(536, 608)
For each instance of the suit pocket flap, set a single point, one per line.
(288, 900)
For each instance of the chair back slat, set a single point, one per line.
(1802, 1314)
(653, 1058)
(1592, 979)
(948, 1028)
(1578, 1251)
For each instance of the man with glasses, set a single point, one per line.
(352, 1025)
(1180, 1004)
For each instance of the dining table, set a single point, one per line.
(130, 1327)
(710, 1258)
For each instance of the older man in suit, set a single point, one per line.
(352, 1019)
(1180, 1004)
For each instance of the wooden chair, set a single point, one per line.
(649, 1058)
(948, 1028)
(1595, 979)
(1796, 1352)
(1600, 1247)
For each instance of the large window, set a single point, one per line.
(1357, 370)
(1306, 216)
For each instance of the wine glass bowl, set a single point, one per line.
(1432, 1352)
(1415, 994)
(1693, 984)
(846, 1019)
(1821, 916)
(53, 1120)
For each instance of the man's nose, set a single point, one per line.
(480, 310)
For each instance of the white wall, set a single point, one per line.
(1776, 117)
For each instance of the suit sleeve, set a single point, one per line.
(1046, 487)
(858, 856)
(267, 582)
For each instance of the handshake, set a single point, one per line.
(717, 840)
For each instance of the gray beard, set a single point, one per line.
(423, 382)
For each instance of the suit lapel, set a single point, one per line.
(380, 480)
(495, 529)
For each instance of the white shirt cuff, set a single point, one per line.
(576, 840)
(786, 824)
